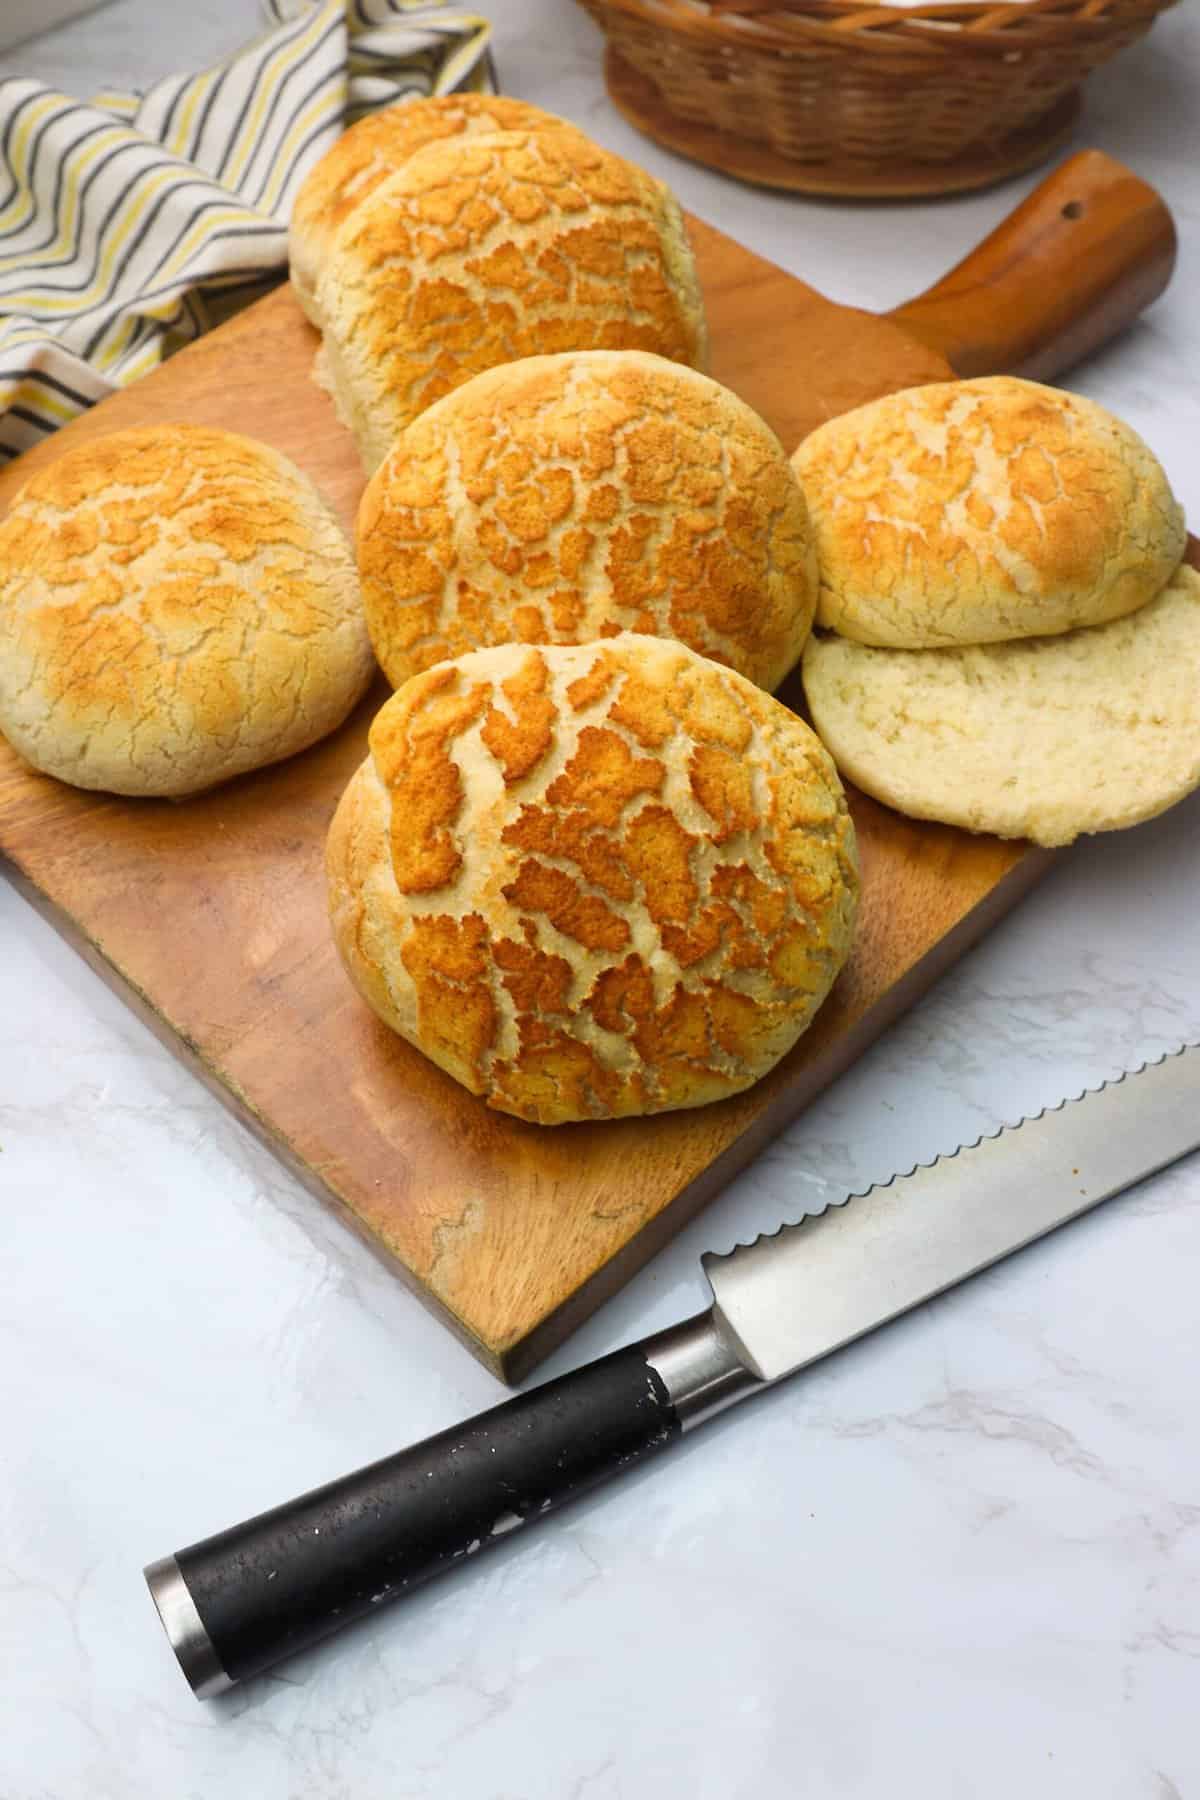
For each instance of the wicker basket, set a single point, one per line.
(847, 98)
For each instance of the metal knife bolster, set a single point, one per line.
(701, 1367)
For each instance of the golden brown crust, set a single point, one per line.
(566, 498)
(485, 249)
(374, 148)
(640, 906)
(971, 512)
(177, 605)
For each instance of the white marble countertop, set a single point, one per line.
(961, 1560)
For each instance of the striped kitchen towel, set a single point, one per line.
(130, 224)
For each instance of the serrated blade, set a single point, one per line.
(793, 1297)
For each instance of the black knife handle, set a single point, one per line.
(237, 1603)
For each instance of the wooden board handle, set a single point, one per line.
(1072, 266)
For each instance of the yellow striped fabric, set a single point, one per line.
(128, 221)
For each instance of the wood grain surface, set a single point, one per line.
(209, 915)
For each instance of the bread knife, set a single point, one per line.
(241, 1601)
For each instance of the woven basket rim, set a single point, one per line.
(946, 25)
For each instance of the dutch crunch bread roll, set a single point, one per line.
(374, 148)
(594, 880)
(484, 249)
(972, 512)
(177, 605)
(1090, 730)
(566, 498)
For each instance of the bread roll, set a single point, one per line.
(593, 880)
(1045, 739)
(484, 249)
(971, 512)
(566, 498)
(374, 148)
(177, 605)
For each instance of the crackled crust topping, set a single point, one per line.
(1089, 730)
(567, 498)
(485, 249)
(374, 148)
(969, 512)
(593, 881)
(177, 605)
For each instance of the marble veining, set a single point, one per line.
(961, 1560)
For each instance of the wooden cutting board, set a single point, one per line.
(208, 916)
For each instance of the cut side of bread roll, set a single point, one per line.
(595, 880)
(177, 605)
(566, 498)
(1046, 739)
(374, 148)
(975, 512)
(481, 250)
